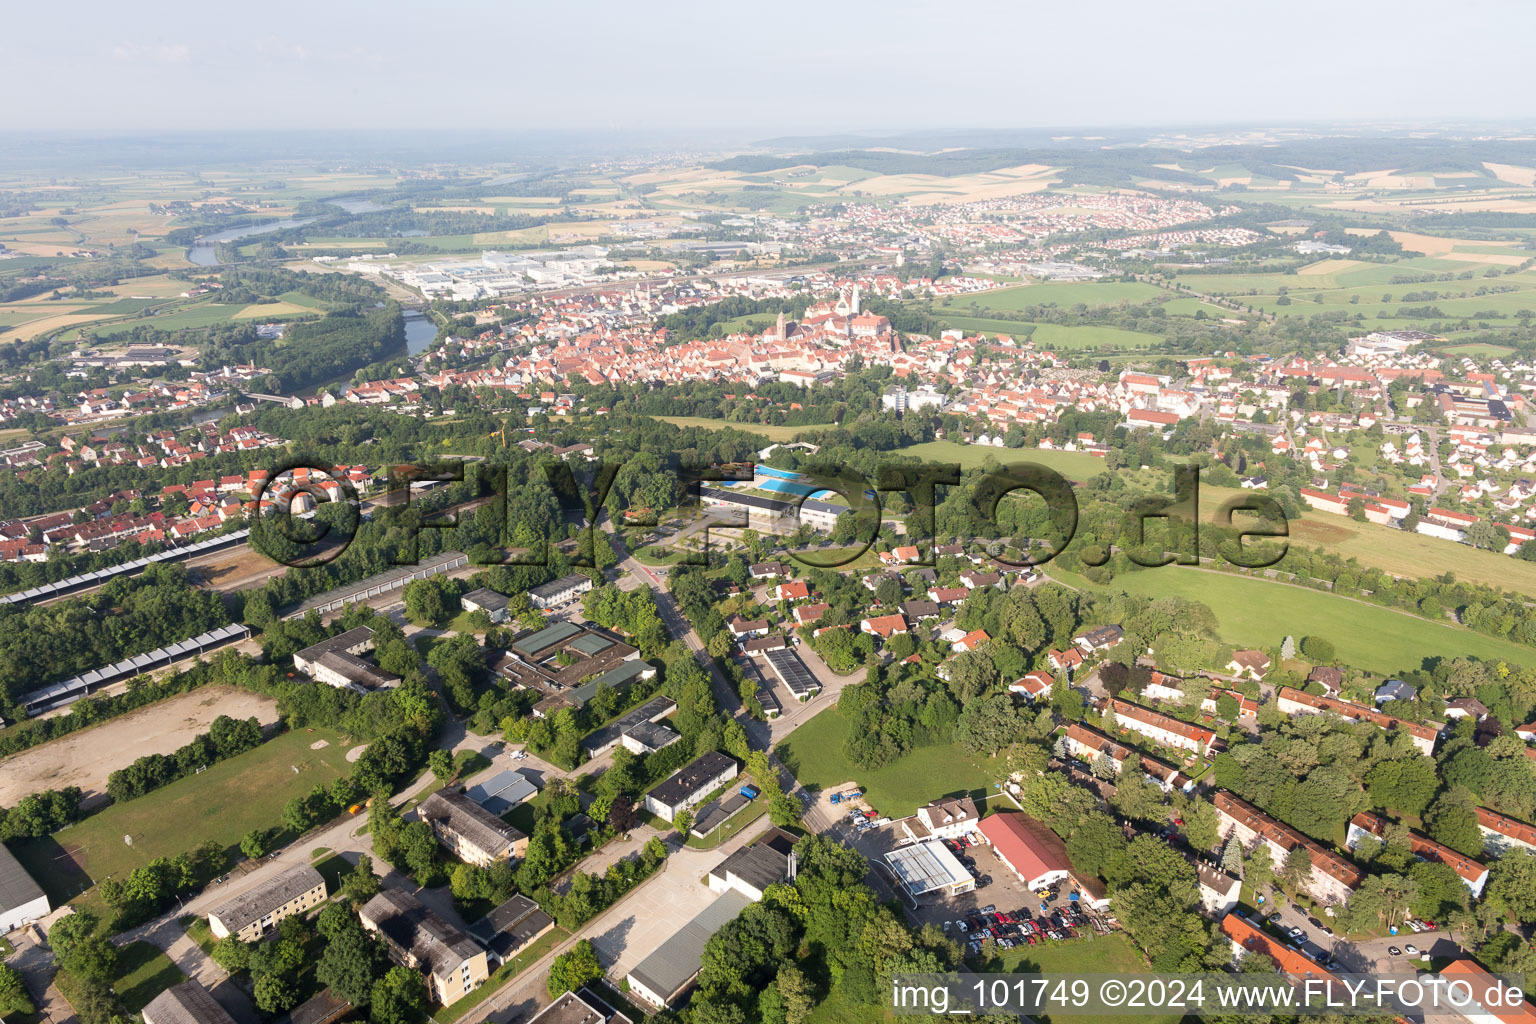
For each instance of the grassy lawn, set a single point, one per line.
(199, 932)
(839, 1009)
(744, 817)
(505, 973)
(331, 869)
(1072, 465)
(1260, 612)
(770, 431)
(223, 803)
(815, 754)
(1101, 954)
(144, 972)
(657, 555)
(460, 624)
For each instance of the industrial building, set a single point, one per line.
(21, 899)
(690, 785)
(667, 974)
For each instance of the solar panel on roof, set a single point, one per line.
(793, 671)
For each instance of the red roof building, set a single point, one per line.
(1030, 849)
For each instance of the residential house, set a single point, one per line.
(416, 937)
(469, 831)
(258, 910)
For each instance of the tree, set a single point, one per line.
(1512, 882)
(351, 963)
(1201, 827)
(1296, 868)
(276, 992)
(683, 821)
(441, 764)
(231, 954)
(573, 969)
(988, 725)
(360, 884)
(1232, 858)
(15, 1001)
(1317, 649)
(1452, 820)
(798, 993)
(1261, 867)
(80, 951)
(400, 997)
(255, 843)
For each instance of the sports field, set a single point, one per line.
(1259, 613)
(1072, 465)
(771, 432)
(815, 754)
(223, 803)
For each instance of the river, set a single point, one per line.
(205, 248)
(204, 251)
(419, 331)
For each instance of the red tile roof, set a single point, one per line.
(1031, 847)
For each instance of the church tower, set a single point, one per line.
(854, 304)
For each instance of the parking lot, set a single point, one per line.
(1013, 914)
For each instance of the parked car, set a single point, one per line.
(1394, 951)
(1411, 950)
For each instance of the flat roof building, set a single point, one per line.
(579, 1008)
(510, 928)
(338, 662)
(690, 785)
(769, 860)
(663, 977)
(488, 601)
(503, 791)
(929, 867)
(568, 663)
(559, 592)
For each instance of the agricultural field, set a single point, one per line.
(1019, 298)
(222, 803)
(1256, 612)
(814, 753)
(1367, 292)
(1411, 555)
(1056, 336)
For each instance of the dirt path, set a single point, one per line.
(86, 758)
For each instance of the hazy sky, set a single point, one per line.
(753, 69)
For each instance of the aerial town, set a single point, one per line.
(523, 576)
